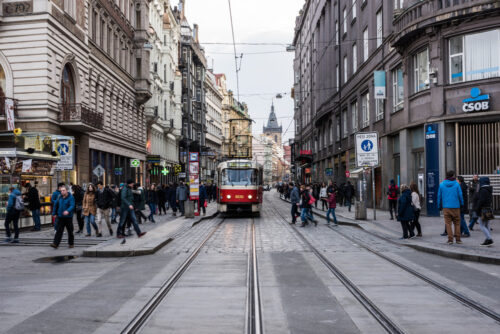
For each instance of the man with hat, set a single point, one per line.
(127, 210)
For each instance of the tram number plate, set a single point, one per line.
(239, 196)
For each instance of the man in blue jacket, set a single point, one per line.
(295, 200)
(63, 210)
(12, 216)
(450, 199)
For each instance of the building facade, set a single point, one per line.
(214, 99)
(438, 109)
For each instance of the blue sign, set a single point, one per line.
(379, 80)
(367, 145)
(62, 149)
(432, 168)
(477, 101)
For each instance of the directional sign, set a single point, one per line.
(135, 163)
(99, 171)
(367, 149)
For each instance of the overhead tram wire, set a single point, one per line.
(235, 55)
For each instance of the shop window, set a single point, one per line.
(421, 70)
(475, 56)
(67, 86)
(397, 89)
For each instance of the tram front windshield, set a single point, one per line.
(239, 177)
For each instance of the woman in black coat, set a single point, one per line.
(405, 211)
(483, 203)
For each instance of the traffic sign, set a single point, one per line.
(99, 171)
(367, 149)
(135, 163)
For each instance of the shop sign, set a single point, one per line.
(432, 168)
(307, 170)
(305, 152)
(135, 163)
(118, 171)
(65, 151)
(193, 156)
(177, 169)
(347, 174)
(477, 101)
(329, 171)
(367, 149)
(154, 159)
(379, 79)
(182, 175)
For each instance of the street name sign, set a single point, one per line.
(367, 149)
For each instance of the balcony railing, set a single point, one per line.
(2, 106)
(80, 117)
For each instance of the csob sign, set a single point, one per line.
(477, 101)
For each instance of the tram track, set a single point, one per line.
(253, 309)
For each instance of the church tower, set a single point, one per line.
(273, 131)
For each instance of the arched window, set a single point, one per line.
(3, 82)
(67, 86)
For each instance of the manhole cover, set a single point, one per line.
(56, 259)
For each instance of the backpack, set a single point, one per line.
(311, 199)
(393, 192)
(19, 204)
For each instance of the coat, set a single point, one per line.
(33, 199)
(104, 199)
(11, 203)
(89, 204)
(64, 204)
(484, 196)
(332, 201)
(295, 196)
(450, 195)
(127, 198)
(305, 197)
(203, 194)
(181, 193)
(405, 208)
(465, 193)
(151, 197)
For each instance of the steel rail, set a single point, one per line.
(254, 315)
(460, 297)
(383, 319)
(145, 313)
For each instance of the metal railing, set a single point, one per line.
(79, 113)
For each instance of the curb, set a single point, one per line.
(419, 247)
(141, 252)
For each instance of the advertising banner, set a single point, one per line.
(379, 78)
(432, 168)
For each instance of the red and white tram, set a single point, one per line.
(239, 186)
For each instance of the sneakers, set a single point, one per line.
(8, 239)
(449, 242)
(71, 246)
(53, 246)
(15, 241)
(459, 242)
(140, 235)
(487, 242)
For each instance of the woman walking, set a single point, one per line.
(152, 201)
(483, 209)
(324, 196)
(332, 204)
(417, 207)
(306, 207)
(405, 211)
(90, 209)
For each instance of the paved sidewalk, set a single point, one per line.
(431, 241)
(157, 237)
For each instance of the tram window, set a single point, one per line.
(239, 177)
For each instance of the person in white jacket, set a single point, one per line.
(324, 196)
(417, 207)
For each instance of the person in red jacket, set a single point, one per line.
(332, 205)
(392, 196)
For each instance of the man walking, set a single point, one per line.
(295, 199)
(14, 204)
(53, 199)
(450, 199)
(127, 210)
(181, 196)
(349, 194)
(64, 208)
(392, 197)
(33, 199)
(104, 204)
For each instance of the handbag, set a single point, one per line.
(312, 200)
(205, 204)
(487, 213)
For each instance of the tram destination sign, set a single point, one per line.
(367, 149)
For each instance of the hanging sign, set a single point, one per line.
(9, 112)
(379, 78)
(134, 163)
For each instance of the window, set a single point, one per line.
(353, 9)
(475, 56)
(94, 25)
(421, 67)
(337, 121)
(330, 132)
(337, 32)
(69, 7)
(398, 4)
(354, 58)
(345, 130)
(345, 69)
(337, 77)
(103, 34)
(379, 28)
(354, 116)
(365, 44)
(365, 109)
(344, 23)
(379, 109)
(397, 89)
(67, 86)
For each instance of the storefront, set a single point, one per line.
(117, 168)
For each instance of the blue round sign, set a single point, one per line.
(367, 145)
(63, 149)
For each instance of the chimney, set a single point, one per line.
(195, 33)
(182, 6)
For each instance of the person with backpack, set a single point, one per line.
(416, 200)
(405, 212)
(15, 206)
(295, 200)
(306, 206)
(483, 208)
(392, 197)
(63, 209)
(33, 199)
(332, 205)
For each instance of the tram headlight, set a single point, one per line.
(250, 197)
(228, 196)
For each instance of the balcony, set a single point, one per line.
(2, 106)
(80, 118)
(423, 14)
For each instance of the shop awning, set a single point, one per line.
(354, 173)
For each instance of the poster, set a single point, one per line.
(9, 114)
(194, 168)
(27, 165)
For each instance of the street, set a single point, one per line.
(306, 280)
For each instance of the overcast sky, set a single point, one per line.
(262, 76)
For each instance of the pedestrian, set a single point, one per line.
(416, 200)
(306, 204)
(104, 200)
(473, 192)
(53, 199)
(64, 209)
(152, 202)
(295, 200)
(127, 211)
(172, 194)
(90, 209)
(340, 194)
(139, 203)
(464, 209)
(483, 208)
(330, 188)
(392, 197)
(162, 199)
(33, 200)
(332, 205)
(315, 192)
(203, 199)
(349, 194)
(450, 200)
(405, 213)
(181, 197)
(115, 206)
(14, 208)
(78, 194)
(323, 195)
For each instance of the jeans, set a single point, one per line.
(12, 217)
(331, 211)
(181, 207)
(485, 227)
(35, 214)
(306, 214)
(348, 204)
(473, 219)
(113, 213)
(393, 206)
(64, 222)
(295, 211)
(90, 219)
(463, 225)
(152, 209)
(126, 212)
